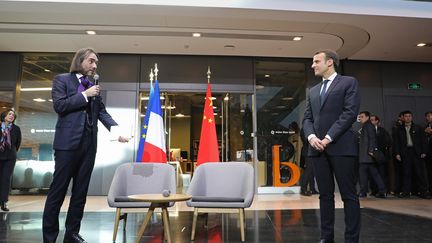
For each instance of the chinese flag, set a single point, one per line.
(208, 150)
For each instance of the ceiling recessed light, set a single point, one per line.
(179, 115)
(91, 32)
(287, 98)
(421, 44)
(47, 70)
(267, 75)
(229, 47)
(297, 38)
(196, 34)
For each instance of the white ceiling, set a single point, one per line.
(252, 27)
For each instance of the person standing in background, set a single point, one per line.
(332, 108)
(428, 132)
(368, 166)
(78, 105)
(307, 179)
(10, 142)
(397, 165)
(410, 149)
(383, 144)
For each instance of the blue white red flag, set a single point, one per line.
(152, 147)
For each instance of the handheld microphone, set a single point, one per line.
(96, 81)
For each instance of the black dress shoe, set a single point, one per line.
(404, 195)
(362, 195)
(314, 192)
(381, 195)
(74, 238)
(306, 193)
(4, 206)
(425, 196)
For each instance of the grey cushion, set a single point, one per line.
(140, 178)
(222, 185)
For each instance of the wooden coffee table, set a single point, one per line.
(158, 201)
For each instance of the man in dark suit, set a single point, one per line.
(428, 133)
(397, 165)
(332, 108)
(307, 179)
(79, 107)
(368, 165)
(383, 144)
(411, 148)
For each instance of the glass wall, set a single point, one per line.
(280, 87)
(36, 118)
(280, 102)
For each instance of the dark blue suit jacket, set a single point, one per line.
(334, 117)
(71, 108)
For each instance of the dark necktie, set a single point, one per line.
(85, 84)
(323, 90)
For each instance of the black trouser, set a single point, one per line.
(398, 176)
(370, 169)
(382, 171)
(412, 164)
(308, 177)
(69, 164)
(429, 172)
(6, 170)
(345, 169)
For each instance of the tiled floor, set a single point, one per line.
(272, 218)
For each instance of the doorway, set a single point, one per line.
(183, 112)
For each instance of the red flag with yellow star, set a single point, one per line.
(208, 150)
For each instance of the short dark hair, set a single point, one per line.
(5, 113)
(79, 57)
(428, 112)
(330, 54)
(406, 112)
(376, 117)
(366, 113)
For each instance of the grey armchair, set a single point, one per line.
(138, 178)
(222, 185)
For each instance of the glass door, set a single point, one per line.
(183, 113)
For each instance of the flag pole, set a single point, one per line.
(208, 74)
(156, 70)
(151, 76)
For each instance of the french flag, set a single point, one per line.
(153, 135)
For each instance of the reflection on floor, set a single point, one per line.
(300, 225)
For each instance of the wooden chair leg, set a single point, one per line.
(194, 221)
(144, 224)
(116, 223)
(166, 223)
(242, 223)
